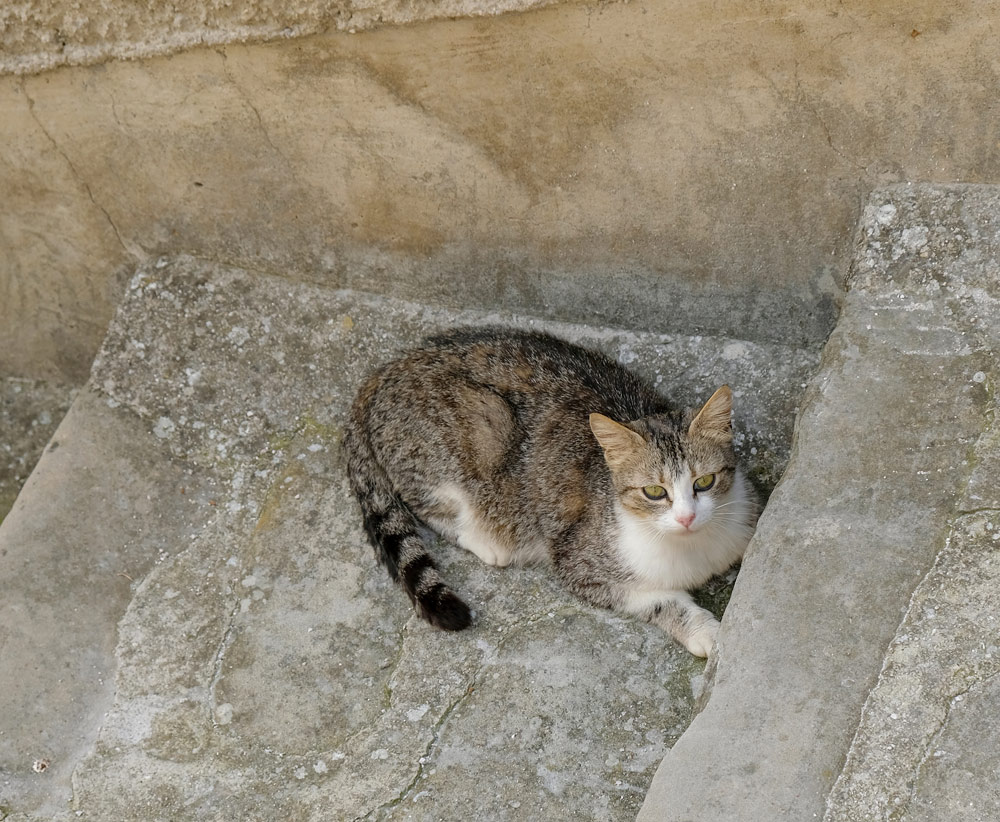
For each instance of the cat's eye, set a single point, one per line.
(704, 483)
(654, 492)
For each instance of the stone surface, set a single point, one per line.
(240, 655)
(876, 552)
(30, 410)
(681, 168)
(99, 510)
(915, 755)
(255, 662)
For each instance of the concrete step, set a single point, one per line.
(856, 677)
(193, 626)
(30, 410)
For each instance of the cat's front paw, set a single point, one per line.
(701, 640)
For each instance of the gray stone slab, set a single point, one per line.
(100, 510)
(886, 454)
(913, 756)
(927, 747)
(30, 410)
(265, 667)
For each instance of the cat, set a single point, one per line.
(521, 448)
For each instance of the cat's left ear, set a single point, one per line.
(618, 441)
(713, 421)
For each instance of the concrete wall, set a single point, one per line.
(684, 166)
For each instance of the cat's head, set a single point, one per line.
(672, 477)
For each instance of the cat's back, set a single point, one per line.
(479, 396)
(534, 364)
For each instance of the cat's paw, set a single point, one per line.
(489, 552)
(701, 640)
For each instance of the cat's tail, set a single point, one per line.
(395, 534)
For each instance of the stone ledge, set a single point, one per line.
(889, 450)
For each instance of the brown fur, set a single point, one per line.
(520, 447)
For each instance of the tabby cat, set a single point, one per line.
(521, 448)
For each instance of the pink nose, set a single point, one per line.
(685, 519)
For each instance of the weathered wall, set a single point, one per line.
(684, 166)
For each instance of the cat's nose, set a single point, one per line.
(685, 519)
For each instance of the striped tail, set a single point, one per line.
(394, 533)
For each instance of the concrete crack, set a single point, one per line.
(252, 106)
(804, 101)
(397, 661)
(436, 731)
(224, 644)
(135, 252)
(932, 742)
(425, 756)
(970, 512)
(114, 113)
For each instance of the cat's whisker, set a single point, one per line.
(728, 517)
(734, 502)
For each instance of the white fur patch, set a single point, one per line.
(468, 529)
(678, 559)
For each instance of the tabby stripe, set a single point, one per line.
(391, 544)
(413, 572)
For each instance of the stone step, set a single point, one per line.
(194, 626)
(856, 675)
(30, 410)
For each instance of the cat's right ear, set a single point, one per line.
(618, 441)
(713, 421)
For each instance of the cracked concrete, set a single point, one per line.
(867, 601)
(130, 249)
(907, 760)
(944, 656)
(253, 661)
